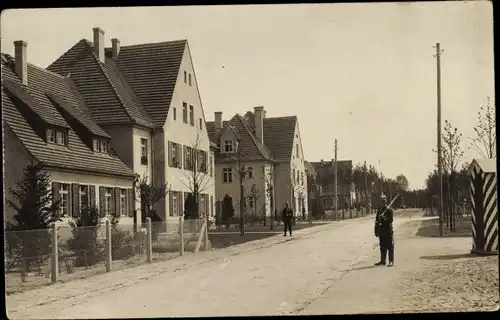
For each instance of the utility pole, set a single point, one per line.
(366, 191)
(335, 184)
(439, 155)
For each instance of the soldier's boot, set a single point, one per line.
(391, 257)
(383, 253)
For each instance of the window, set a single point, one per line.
(227, 174)
(293, 175)
(202, 205)
(175, 203)
(190, 79)
(188, 158)
(191, 115)
(144, 151)
(175, 113)
(101, 146)
(228, 146)
(83, 199)
(107, 200)
(64, 199)
(250, 172)
(51, 136)
(297, 150)
(104, 146)
(184, 112)
(185, 77)
(298, 177)
(202, 161)
(61, 138)
(175, 157)
(122, 202)
(302, 178)
(201, 123)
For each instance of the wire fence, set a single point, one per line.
(32, 260)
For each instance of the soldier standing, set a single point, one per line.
(287, 218)
(384, 231)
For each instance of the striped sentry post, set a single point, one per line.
(484, 203)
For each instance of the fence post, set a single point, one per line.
(55, 254)
(205, 236)
(108, 246)
(181, 234)
(149, 241)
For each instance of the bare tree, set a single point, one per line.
(269, 175)
(197, 179)
(485, 140)
(253, 196)
(297, 184)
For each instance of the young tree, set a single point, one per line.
(485, 140)
(149, 195)
(253, 197)
(269, 174)
(240, 171)
(197, 179)
(28, 240)
(358, 178)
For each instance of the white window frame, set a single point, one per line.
(227, 175)
(61, 135)
(123, 193)
(228, 146)
(51, 136)
(175, 204)
(82, 192)
(104, 146)
(107, 196)
(191, 115)
(144, 150)
(64, 198)
(184, 112)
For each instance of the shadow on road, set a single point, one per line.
(450, 256)
(364, 268)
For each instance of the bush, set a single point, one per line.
(125, 245)
(84, 244)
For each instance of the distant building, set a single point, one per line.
(325, 182)
(272, 155)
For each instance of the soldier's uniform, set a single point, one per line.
(287, 219)
(384, 231)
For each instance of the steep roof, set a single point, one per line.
(102, 85)
(279, 133)
(310, 171)
(486, 165)
(151, 70)
(45, 94)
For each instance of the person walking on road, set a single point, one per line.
(287, 218)
(384, 231)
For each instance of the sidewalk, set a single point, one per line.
(131, 276)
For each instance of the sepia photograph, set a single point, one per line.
(249, 160)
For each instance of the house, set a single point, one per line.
(325, 180)
(146, 97)
(269, 151)
(45, 119)
(313, 188)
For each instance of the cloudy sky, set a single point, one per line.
(361, 73)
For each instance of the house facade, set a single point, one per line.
(146, 97)
(265, 155)
(46, 120)
(325, 183)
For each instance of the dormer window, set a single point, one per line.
(228, 146)
(57, 137)
(101, 146)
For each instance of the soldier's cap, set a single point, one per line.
(382, 196)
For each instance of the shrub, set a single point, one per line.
(84, 244)
(125, 245)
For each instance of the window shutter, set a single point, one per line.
(102, 207)
(184, 151)
(131, 202)
(75, 190)
(180, 156)
(91, 198)
(170, 162)
(171, 204)
(55, 192)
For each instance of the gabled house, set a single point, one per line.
(325, 182)
(146, 97)
(270, 152)
(45, 119)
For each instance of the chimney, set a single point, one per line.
(218, 121)
(259, 123)
(99, 43)
(115, 48)
(21, 66)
